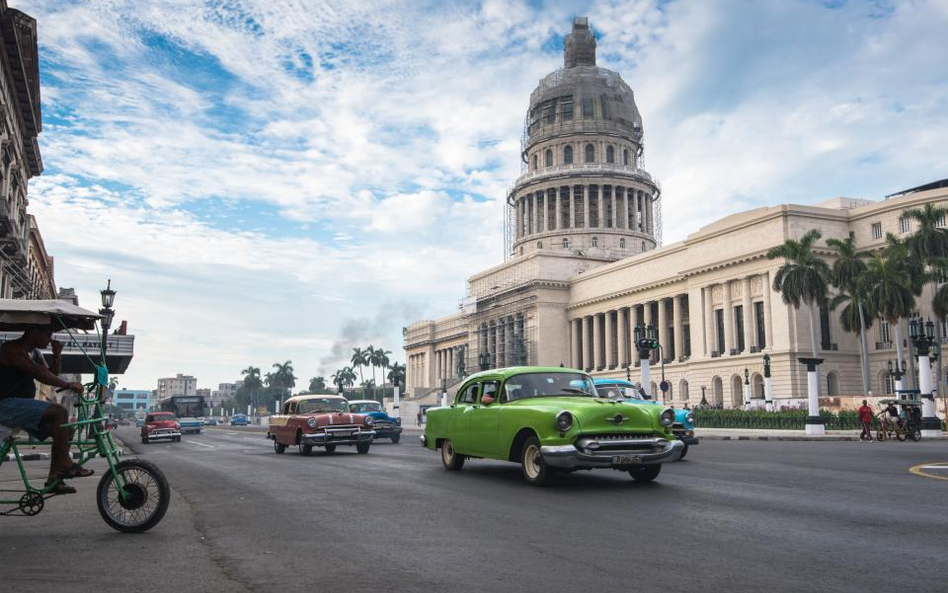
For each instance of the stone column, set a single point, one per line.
(572, 206)
(615, 207)
(586, 209)
(728, 320)
(768, 328)
(622, 316)
(536, 212)
(649, 214)
(609, 334)
(624, 204)
(587, 345)
(558, 217)
(679, 327)
(575, 343)
(663, 327)
(597, 346)
(708, 296)
(748, 317)
(601, 218)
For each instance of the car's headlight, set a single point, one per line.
(564, 421)
(369, 421)
(690, 418)
(398, 422)
(312, 423)
(668, 417)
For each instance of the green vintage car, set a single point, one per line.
(549, 418)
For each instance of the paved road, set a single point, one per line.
(736, 516)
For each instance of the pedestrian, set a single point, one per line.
(865, 416)
(419, 416)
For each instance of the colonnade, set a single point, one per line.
(446, 364)
(504, 341)
(584, 207)
(731, 320)
(417, 370)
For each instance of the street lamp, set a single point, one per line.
(923, 338)
(896, 372)
(444, 393)
(704, 401)
(646, 340)
(747, 387)
(483, 360)
(768, 381)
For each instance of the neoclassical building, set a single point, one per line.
(584, 267)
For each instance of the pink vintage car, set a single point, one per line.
(308, 421)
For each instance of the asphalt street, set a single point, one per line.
(735, 516)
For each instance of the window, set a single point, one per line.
(548, 158)
(539, 244)
(568, 109)
(905, 224)
(888, 384)
(535, 164)
(759, 322)
(590, 153)
(549, 111)
(622, 243)
(719, 323)
(825, 337)
(469, 396)
(739, 326)
(605, 107)
(877, 230)
(568, 155)
(595, 242)
(643, 245)
(587, 108)
(610, 154)
(489, 389)
(565, 243)
(625, 157)
(940, 223)
(884, 335)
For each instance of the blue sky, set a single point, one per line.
(267, 180)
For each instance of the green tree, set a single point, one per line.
(845, 276)
(888, 289)
(802, 279)
(379, 358)
(344, 377)
(360, 358)
(317, 385)
(283, 376)
(253, 383)
(396, 374)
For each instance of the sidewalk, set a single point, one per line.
(41, 452)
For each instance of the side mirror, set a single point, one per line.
(487, 400)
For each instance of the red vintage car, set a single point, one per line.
(160, 425)
(309, 421)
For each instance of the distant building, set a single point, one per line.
(224, 392)
(206, 394)
(177, 385)
(132, 399)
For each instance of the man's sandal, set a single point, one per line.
(75, 471)
(58, 487)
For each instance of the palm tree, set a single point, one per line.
(378, 358)
(888, 289)
(285, 379)
(252, 382)
(344, 377)
(396, 374)
(359, 359)
(929, 244)
(802, 277)
(905, 259)
(846, 272)
(317, 385)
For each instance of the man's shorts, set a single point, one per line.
(27, 414)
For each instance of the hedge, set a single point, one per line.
(782, 420)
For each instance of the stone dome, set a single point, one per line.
(581, 97)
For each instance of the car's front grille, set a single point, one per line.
(617, 436)
(384, 425)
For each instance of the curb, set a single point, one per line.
(45, 456)
(774, 438)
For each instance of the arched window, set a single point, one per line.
(622, 243)
(643, 245)
(595, 241)
(539, 244)
(548, 158)
(610, 154)
(625, 156)
(590, 153)
(565, 243)
(568, 155)
(535, 165)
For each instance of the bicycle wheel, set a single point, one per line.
(146, 499)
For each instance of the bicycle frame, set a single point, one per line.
(91, 439)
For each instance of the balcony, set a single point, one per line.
(883, 345)
(596, 168)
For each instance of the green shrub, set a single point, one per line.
(780, 420)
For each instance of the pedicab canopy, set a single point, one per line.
(19, 314)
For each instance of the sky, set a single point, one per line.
(272, 180)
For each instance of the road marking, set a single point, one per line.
(202, 444)
(924, 470)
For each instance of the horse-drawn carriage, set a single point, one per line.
(906, 423)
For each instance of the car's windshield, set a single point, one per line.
(616, 391)
(365, 407)
(540, 384)
(323, 404)
(161, 418)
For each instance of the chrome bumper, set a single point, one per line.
(617, 454)
(164, 434)
(322, 438)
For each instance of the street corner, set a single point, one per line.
(935, 471)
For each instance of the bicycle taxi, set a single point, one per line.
(908, 423)
(133, 494)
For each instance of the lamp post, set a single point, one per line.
(483, 360)
(923, 338)
(444, 393)
(107, 313)
(814, 423)
(896, 373)
(396, 411)
(747, 388)
(768, 382)
(646, 340)
(704, 401)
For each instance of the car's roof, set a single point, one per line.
(363, 401)
(299, 398)
(607, 380)
(508, 372)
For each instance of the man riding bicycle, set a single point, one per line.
(21, 363)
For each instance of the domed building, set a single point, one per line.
(585, 266)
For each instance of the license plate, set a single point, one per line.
(626, 459)
(343, 433)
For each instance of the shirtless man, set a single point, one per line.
(20, 364)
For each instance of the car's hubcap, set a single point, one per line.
(532, 461)
(448, 451)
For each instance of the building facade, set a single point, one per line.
(224, 392)
(133, 400)
(584, 268)
(177, 385)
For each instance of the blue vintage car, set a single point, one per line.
(386, 427)
(239, 420)
(684, 426)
